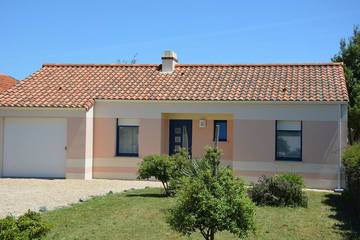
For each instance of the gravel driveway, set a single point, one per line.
(19, 195)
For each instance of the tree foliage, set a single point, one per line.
(212, 200)
(349, 54)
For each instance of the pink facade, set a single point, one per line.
(254, 140)
(150, 137)
(76, 148)
(204, 137)
(255, 152)
(249, 148)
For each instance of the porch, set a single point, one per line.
(195, 131)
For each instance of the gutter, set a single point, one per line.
(225, 102)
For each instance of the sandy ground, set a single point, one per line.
(19, 195)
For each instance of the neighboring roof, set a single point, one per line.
(6, 82)
(77, 86)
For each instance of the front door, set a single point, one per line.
(180, 135)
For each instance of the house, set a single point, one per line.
(6, 82)
(89, 121)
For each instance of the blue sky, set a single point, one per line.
(37, 32)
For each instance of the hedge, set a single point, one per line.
(351, 161)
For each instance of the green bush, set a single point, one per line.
(8, 228)
(351, 161)
(212, 200)
(158, 166)
(294, 178)
(279, 190)
(26, 227)
(167, 169)
(186, 167)
(180, 163)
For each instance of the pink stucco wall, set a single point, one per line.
(77, 163)
(106, 163)
(251, 143)
(320, 142)
(76, 138)
(165, 136)
(149, 137)
(254, 140)
(202, 137)
(254, 152)
(104, 137)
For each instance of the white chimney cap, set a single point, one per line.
(168, 54)
(169, 60)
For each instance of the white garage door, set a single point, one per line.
(34, 147)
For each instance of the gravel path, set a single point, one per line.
(19, 195)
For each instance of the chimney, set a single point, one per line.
(169, 60)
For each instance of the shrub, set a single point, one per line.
(26, 227)
(187, 167)
(158, 166)
(180, 163)
(212, 200)
(294, 178)
(167, 169)
(351, 160)
(8, 228)
(279, 190)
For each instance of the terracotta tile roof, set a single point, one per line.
(71, 85)
(6, 82)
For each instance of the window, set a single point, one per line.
(289, 140)
(127, 143)
(222, 130)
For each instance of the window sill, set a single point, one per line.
(127, 155)
(288, 159)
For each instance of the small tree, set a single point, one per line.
(349, 54)
(212, 201)
(158, 166)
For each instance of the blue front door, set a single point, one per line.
(180, 135)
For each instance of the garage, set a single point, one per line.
(34, 147)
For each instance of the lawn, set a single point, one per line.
(139, 214)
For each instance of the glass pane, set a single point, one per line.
(185, 138)
(288, 125)
(128, 140)
(288, 144)
(177, 130)
(222, 130)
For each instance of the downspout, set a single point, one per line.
(340, 148)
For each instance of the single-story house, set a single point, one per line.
(89, 121)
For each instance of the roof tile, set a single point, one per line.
(71, 85)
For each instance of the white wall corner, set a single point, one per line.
(89, 143)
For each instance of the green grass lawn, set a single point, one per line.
(139, 214)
